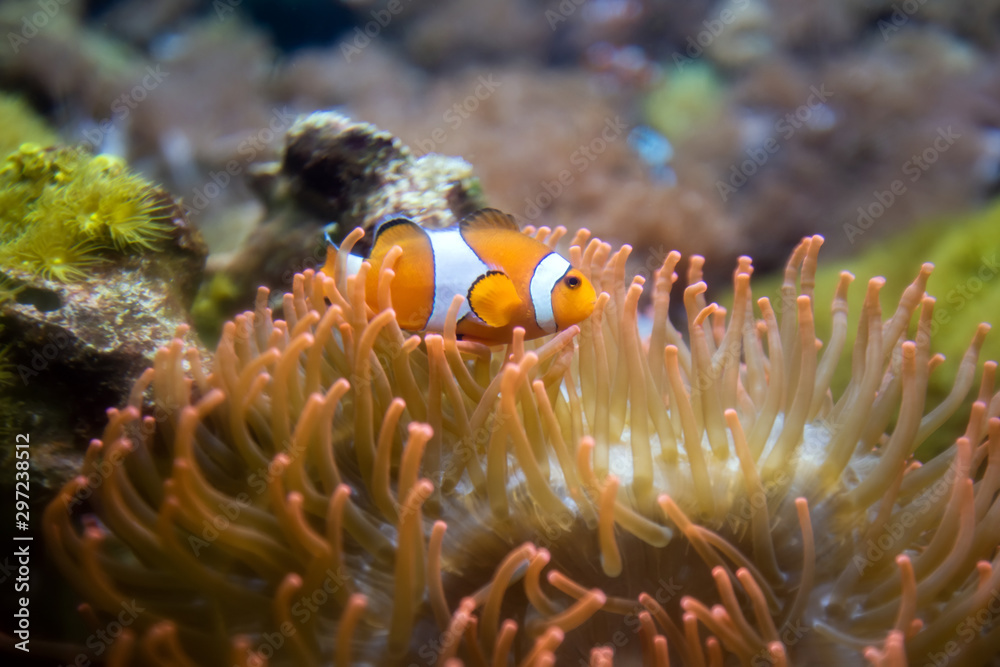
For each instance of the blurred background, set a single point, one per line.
(722, 128)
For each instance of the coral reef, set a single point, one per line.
(98, 268)
(133, 97)
(328, 490)
(900, 112)
(334, 491)
(233, 120)
(64, 210)
(52, 55)
(432, 41)
(745, 38)
(66, 214)
(358, 176)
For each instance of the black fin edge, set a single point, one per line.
(468, 296)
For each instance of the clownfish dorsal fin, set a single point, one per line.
(493, 298)
(488, 218)
(395, 232)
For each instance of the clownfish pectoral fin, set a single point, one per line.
(488, 218)
(493, 298)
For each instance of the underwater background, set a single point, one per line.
(168, 167)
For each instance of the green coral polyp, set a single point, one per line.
(131, 220)
(58, 257)
(66, 212)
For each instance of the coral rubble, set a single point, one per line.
(356, 175)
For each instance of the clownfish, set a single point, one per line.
(508, 279)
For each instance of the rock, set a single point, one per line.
(332, 169)
(71, 349)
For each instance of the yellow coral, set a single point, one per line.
(63, 211)
(130, 214)
(55, 253)
(15, 202)
(688, 98)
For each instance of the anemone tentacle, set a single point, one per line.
(337, 491)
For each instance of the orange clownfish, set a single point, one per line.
(508, 279)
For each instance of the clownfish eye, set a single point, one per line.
(572, 282)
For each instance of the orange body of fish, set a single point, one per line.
(508, 279)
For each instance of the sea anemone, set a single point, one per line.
(338, 491)
(961, 247)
